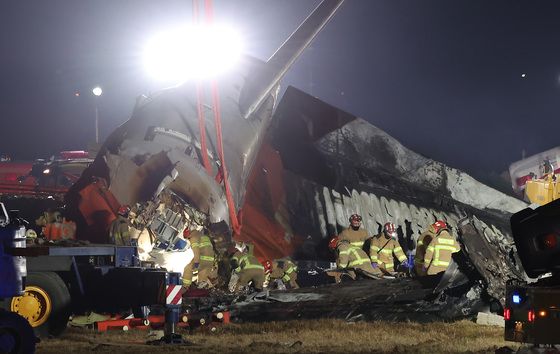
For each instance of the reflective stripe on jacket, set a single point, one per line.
(355, 237)
(382, 250)
(351, 257)
(248, 261)
(438, 253)
(423, 242)
(202, 247)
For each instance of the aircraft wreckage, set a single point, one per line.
(292, 168)
(323, 183)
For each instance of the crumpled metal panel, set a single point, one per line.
(404, 299)
(337, 164)
(163, 134)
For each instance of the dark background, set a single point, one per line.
(443, 77)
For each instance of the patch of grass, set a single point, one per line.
(302, 336)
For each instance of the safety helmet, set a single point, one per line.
(124, 210)
(30, 233)
(333, 243)
(187, 233)
(267, 266)
(438, 226)
(355, 220)
(390, 230)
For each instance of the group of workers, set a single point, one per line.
(433, 252)
(247, 270)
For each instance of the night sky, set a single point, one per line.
(443, 77)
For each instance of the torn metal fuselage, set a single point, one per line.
(334, 164)
(157, 154)
(160, 149)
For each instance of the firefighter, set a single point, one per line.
(282, 270)
(354, 234)
(384, 246)
(349, 257)
(203, 260)
(119, 230)
(247, 269)
(423, 242)
(438, 253)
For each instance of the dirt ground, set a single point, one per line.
(318, 336)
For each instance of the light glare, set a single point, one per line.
(194, 52)
(97, 91)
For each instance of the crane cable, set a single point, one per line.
(235, 220)
(200, 111)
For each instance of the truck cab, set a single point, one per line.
(532, 311)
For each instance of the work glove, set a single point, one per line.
(406, 264)
(374, 265)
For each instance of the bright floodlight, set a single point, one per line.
(195, 52)
(97, 91)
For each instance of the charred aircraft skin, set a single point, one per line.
(402, 299)
(336, 164)
(161, 140)
(160, 148)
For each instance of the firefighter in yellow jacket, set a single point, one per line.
(248, 269)
(203, 261)
(350, 257)
(384, 246)
(284, 270)
(423, 242)
(119, 230)
(438, 253)
(354, 234)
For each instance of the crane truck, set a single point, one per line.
(46, 284)
(532, 311)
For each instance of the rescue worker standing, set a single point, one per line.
(119, 230)
(350, 257)
(248, 269)
(384, 246)
(423, 242)
(283, 270)
(203, 260)
(438, 253)
(354, 234)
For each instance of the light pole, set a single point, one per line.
(97, 91)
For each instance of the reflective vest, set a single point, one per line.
(438, 253)
(283, 269)
(119, 232)
(355, 237)
(246, 261)
(202, 247)
(382, 250)
(423, 242)
(351, 257)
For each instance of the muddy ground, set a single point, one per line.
(318, 336)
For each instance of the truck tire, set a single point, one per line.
(16, 335)
(46, 303)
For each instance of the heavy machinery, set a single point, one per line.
(543, 190)
(532, 311)
(16, 334)
(45, 284)
(535, 178)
